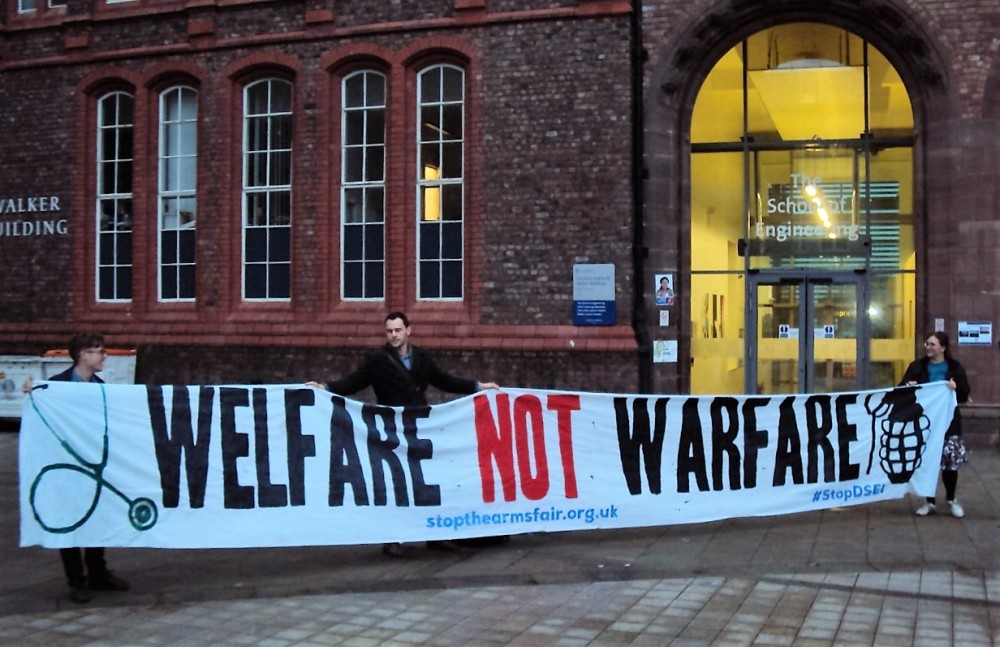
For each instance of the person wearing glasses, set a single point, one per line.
(939, 366)
(85, 568)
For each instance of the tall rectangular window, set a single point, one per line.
(115, 120)
(440, 200)
(267, 190)
(178, 171)
(362, 196)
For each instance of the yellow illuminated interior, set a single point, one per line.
(800, 206)
(432, 194)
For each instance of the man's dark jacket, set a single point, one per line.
(67, 376)
(395, 386)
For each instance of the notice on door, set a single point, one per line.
(826, 331)
(787, 332)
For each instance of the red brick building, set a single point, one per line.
(240, 190)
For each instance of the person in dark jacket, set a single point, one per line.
(85, 568)
(399, 374)
(939, 366)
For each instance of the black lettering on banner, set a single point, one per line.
(819, 424)
(691, 449)
(724, 442)
(753, 439)
(637, 439)
(381, 451)
(234, 445)
(299, 446)
(419, 449)
(788, 455)
(345, 464)
(269, 495)
(170, 444)
(847, 433)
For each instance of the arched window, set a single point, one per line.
(115, 120)
(267, 190)
(440, 182)
(177, 189)
(362, 193)
(802, 219)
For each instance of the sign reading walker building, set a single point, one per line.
(25, 216)
(289, 465)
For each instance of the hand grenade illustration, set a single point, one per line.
(903, 438)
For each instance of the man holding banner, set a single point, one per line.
(85, 568)
(399, 374)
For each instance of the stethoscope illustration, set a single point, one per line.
(142, 512)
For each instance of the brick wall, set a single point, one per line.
(547, 182)
(549, 159)
(262, 365)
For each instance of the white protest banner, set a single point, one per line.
(289, 465)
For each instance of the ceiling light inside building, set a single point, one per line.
(812, 97)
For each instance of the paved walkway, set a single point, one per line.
(867, 575)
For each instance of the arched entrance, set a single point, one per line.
(802, 253)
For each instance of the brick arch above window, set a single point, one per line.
(172, 77)
(428, 51)
(103, 84)
(344, 60)
(679, 65)
(264, 64)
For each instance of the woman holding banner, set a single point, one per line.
(939, 366)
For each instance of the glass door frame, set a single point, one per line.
(806, 280)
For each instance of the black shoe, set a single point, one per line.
(108, 582)
(449, 546)
(80, 594)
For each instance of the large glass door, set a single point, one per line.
(805, 334)
(802, 217)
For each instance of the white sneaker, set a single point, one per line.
(956, 509)
(925, 509)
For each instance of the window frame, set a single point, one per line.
(123, 223)
(429, 189)
(185, 163)
(268, 197)
(366, 186)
